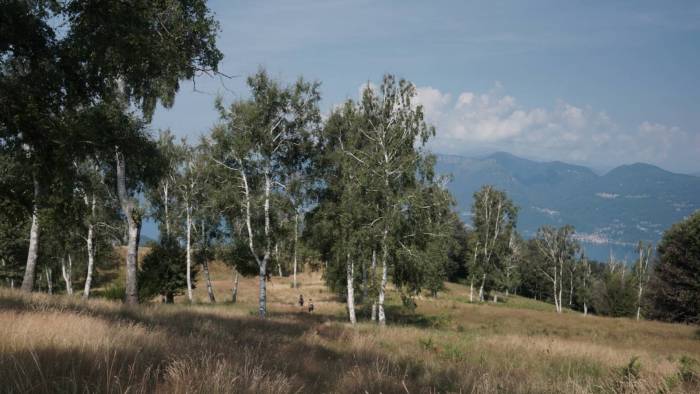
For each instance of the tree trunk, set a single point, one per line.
(210, 289)
(268, 243)
(350, 269)
(262, 306)
(471, 290)
(134, 227)
(639, 303)
(365, 293)
(296, 241)
(279, 263)
(585, 309)
(234, 291)
(556, 293)
(374, 278)
(571, 289)
(262, 264)
(33, 252)
(481, 288)
(188, 245)
(561, 285)
(49, 283)
(166, 202)
(90, 249)
(67, 272)
(382, 286)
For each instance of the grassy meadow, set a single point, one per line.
(62, 344)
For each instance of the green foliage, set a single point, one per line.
(675, 282)
(494, 219)
(163, 271)
(114, 292)
(632, 370)
(688, 370)
(614, 294)
(264, 138)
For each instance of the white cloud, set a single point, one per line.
(495, 120)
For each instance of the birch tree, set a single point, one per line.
(494, 217)
(258, 143)
(558, 248)
(393, 126)
(427, 220)
(137, 164)
(584, 290)
(163, 201)
(338, 225)
(100, 223)
(641, 272)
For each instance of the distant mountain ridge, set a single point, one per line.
(611, 212)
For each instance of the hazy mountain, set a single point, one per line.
(609, 211)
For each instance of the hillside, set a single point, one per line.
(610, 211)
(61, 344)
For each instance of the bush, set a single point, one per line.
(615, 295)
(632, 370)
(114, 292)
(164, 271)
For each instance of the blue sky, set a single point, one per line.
(600, 83)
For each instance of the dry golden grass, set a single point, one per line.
(61, 344)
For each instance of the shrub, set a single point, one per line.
(164, 271)
(114, 292)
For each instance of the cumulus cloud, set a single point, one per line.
(495, 120)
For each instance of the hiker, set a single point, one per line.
(301, 300)
(311, 306)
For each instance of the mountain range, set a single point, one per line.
(611, 212)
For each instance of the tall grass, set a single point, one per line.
(62, 344)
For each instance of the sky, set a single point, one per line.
(598, 83)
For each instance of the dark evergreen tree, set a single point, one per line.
(675, 284)
(163, 271)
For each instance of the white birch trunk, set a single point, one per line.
(234, 290)
(90, 248)
(268, 243)
(481, 288)
(49, 283)
(166, 186)
(374, 278)
(471, 290)
(134, 225)
(296, 241)
(262, 264)
(571, 289)
(205, 266)
(210, 289)
(279, 263)
(350, 269)
(67, 271)
(33, 252)
(382, 286)
(561, 283)
(188, 229)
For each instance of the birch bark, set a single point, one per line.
(33, 252)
